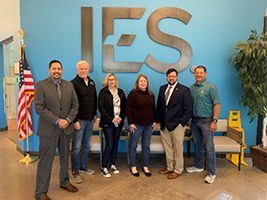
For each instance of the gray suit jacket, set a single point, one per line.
(50, 107)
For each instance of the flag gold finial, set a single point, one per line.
(21, 35)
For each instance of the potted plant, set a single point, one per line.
(250, 63)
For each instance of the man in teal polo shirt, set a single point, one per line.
(206, 111)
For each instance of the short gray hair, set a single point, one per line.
(81, 62)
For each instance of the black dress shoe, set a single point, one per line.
(134, 174)
(148, 174)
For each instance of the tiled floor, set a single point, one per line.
(17, 181)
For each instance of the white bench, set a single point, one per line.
(230, 142)
(156, 146)
(95, 145)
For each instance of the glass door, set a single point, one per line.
(9, 89)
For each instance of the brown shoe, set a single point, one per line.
(44, 197)
(165, 171)
(70, 188)
(173, 175)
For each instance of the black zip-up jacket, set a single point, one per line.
(87, 98)
(106, 108)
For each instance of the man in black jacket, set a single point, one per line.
(174, 109)
(84, 122)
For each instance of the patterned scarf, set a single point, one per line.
(116, 103)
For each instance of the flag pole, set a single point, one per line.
(27, 159)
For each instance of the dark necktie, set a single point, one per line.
(59, 90)
(167, 94)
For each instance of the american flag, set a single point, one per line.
(26, 95)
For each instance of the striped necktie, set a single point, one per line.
(168, 93)
(59, 90)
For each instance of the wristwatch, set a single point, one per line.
(215, 120)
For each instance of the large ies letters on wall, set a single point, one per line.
(87, 35)
(109, 14)
(181, 45)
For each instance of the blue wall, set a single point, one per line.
(53, 31)
(2, 111)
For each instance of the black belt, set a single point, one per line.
(196, 117)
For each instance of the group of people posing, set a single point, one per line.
(68, 110)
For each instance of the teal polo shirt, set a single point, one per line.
(205, 96)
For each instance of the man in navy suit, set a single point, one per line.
(57, 105)
(174, 110)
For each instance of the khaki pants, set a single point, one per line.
(173, 145)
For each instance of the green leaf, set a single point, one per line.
(250, 62)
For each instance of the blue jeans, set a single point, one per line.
(203, 136)
(81, 145)
(112, 136)
(145, 132)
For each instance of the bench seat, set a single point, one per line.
(95, 145)
(156, 145)
(224, 144)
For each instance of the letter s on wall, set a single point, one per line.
(181, 45)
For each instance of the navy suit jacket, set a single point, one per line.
(179, 109)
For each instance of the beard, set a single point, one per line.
(172, 83)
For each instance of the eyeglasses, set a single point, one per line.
(169, 76)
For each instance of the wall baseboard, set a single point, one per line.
(3, 129)
(24, 153)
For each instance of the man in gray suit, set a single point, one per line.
(57, 105)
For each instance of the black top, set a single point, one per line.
(87, 98)
(106, 108)
(140, 108)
